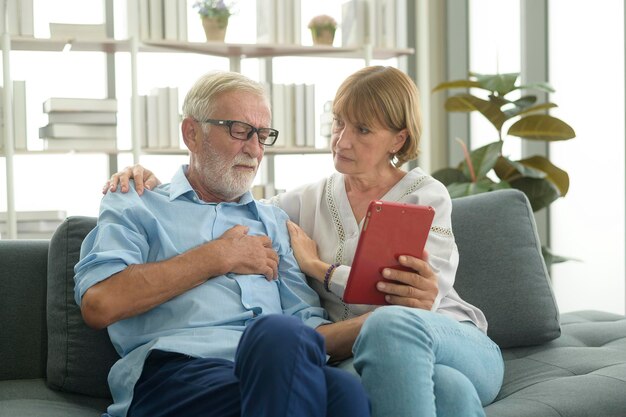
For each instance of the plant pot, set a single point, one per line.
(215, 28)
(323, 36)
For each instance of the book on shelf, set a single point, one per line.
(278, 114)
(19, 17)
(132, 19)
(170, 19)
(156, 19)
(141, 120)
(80, 104)
(34, 235)
(162, 121)
(386, 23)
(258, 191)
(293, 114)
(58, 215)
(12, 18)
(33, 226)
(27, 27)
(288, 109)
(78, 30)
(371, 22)
(266, 25)
(278, 21)
(77, 131)
(287, 21)
(309, 111)
(401, 24)
(152, 114)
(173, 118)
(144, 19)
(299, 130)
(83, 117)
(19, 114)
(354, 19)
(181, 14)
(74, 144)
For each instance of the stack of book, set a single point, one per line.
(34, 224)
(294, 114)
(78, 30)
(81, 124)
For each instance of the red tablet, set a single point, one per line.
(389, 230)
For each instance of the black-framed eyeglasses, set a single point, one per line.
(244, 131)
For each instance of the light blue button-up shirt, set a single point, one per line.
(208, 320)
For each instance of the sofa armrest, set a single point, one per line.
(23, 345)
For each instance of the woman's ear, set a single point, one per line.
(399, 139)
(190, 129)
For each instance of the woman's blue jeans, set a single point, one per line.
(414, 362)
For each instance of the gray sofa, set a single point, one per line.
(51, 364)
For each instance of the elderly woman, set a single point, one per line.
(427, 353)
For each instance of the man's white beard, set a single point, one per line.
(223, 179)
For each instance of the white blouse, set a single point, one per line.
(323, 211)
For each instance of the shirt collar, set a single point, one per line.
(180, 186)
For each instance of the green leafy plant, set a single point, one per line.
(486, 168)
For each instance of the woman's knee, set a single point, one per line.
(395, 323)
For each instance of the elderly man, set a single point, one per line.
(198, 286)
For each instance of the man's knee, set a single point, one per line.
(274, 335)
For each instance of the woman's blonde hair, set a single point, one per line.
(383, 97)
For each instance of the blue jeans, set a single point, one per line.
(279, 370)
(418, 363)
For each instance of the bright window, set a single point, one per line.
(587, 69)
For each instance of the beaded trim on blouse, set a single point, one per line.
(443, 231)
(341, 233)
(334, 212)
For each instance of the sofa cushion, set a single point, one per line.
(501, 268)
(32, 398)
(582, 373)
(79, 358)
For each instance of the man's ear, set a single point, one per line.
(192, 133)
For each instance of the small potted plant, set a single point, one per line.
(214, 15)
(323, 29)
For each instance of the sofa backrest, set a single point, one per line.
(23, 308)
(79, 358)
(501, 267)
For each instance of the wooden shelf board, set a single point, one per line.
(221, 49)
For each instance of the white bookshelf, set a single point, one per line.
(234, 52)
